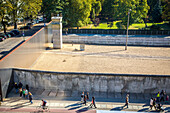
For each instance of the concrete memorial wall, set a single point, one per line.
(93, 82)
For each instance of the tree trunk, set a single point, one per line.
(15, 25)
(4, 27)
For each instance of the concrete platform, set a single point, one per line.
(106, 59)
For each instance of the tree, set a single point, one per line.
(31, 8)
(14, 7)
(3, 15)
(108, 9)
(157, 12)
(52, 6)
(139, 10)
(21, 8)
(166, 12)
(76, 13)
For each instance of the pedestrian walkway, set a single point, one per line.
(71, 104)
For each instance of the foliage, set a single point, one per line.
(166, 12)
(52, 7)
(139, 10)
(3, 15)
(22, 8)
(76, 12)
(157, 12)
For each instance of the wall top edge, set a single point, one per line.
(90, 73)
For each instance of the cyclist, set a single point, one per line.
(43, 104)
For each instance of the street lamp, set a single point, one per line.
(127, 29)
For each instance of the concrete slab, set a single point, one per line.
(46, 92)
(53, 93)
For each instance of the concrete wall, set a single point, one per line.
(93, 82)
(6, 81)
(136, 41)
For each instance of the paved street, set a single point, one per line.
(63, 104)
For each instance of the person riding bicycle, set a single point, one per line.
(43, 104)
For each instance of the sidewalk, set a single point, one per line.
(70, 104)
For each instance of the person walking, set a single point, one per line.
(154, 103)
(23, 92)
(30, 97)
(87, 96)
(20, 85)
(27, 87)
(158, 97)
(127, 100)
(16, 87)
(20, 92)
(82, 96)
(93, 103)
(151, 103)
(26, 93)
(85, 99)
(162, 96)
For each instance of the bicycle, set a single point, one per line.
(41, 108)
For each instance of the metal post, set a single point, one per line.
(127, 29)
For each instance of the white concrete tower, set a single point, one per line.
(57, 32)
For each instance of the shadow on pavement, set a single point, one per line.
(144, 110)
(17, 106)
(117, 108)
(82, 110)
(76, 104)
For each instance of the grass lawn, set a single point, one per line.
(118, 25)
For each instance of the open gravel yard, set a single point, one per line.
(106, 59)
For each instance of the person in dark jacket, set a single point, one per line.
(93, 102)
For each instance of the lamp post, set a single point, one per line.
(127, 29)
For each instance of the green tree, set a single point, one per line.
(108, 9)
(14, 7)
(31, 8)
(96, 9)
(139, 10)
(3, 15)
(166, 12)
(52, 7)
(76, 13)
(21, 8)
(157, 12)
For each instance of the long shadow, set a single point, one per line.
(82, 110)
(103, 52)
(145, 105)
(167, 109)
(17, 106)
(12, 100)
(76, 104)
(117, 108)
(144, 110)
(75, 107)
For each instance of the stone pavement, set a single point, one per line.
(71, 104)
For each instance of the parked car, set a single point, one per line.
(16, 31)
(25, 27)
(12, 34)
(8, 35)
(1, 39)
(3, 35)
(30, 25)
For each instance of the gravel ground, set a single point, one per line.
(106, 59)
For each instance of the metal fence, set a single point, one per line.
(119, 31)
